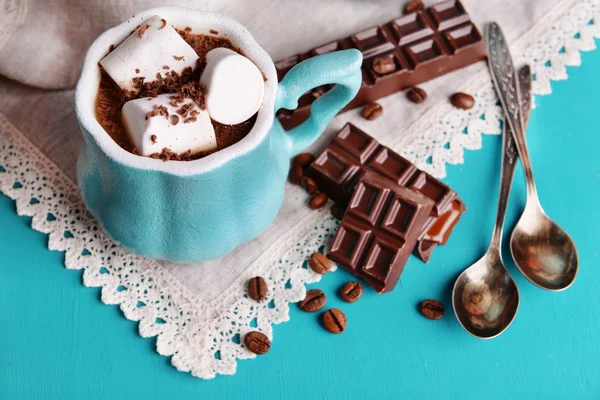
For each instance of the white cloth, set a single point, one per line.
(203, 309)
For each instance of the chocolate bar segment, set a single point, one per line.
(353, 152)
(423, 45)
(379, 231)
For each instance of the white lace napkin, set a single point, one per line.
(201, 312)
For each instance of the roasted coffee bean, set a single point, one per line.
(319, 263)
(338, 211)
(257, 288)
(318, 200)
(303, 159)
(351, 292)
(314, 301)
(372, 111)
(416, 95)
(309, 184)
(462, 100)
(384, 65)
(432, 309)
(413, 5)
(257, 343)
(296, 173)
(334, 321)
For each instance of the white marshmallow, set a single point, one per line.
(196, 136)
(235, 86)
(158, 46)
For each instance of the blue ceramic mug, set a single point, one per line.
(191, 211)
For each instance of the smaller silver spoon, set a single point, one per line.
(541, 249)
(485, 297)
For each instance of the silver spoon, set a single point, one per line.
(541, 249)
(485, 297)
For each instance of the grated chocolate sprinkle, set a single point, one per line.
(174, 119)
(164, 23)
(178, 58)
(185, 109)
(143, 30)
(153, 138)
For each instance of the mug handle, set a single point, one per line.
(340, 67)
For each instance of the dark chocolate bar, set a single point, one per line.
(352, 152)
(422, 46)
(379, 231)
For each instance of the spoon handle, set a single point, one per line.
(505, 80)
(510, 155)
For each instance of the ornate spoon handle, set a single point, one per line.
(510, 156)
(505, 80)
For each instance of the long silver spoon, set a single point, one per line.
(485, 297)
(541, 249)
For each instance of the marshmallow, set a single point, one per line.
(151, 134)
(152, 46)
(235, 86)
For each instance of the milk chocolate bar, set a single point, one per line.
(352, 152)
(379, 230)
(421, 46)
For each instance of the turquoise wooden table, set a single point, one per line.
(58, 341)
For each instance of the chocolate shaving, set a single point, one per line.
(158, 110)
(202, 44)
(164, 23)
(143, 30)
(153, 138)
(167, 155)
(174, 119)
(190, 119)
(137, 70)
(185, 109)
(111, 48)
(214, 32)
(178, 58)
(166, 67)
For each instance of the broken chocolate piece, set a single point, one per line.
(379, 231)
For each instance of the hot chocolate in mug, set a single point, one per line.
(191, 211)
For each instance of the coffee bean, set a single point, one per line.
(314, 301)
(303, 159)
(257, 288)
(462, 100)
(318, 200)
(296, 173)
(257, 343)
(413, 5)
(372, 111)
(432, 309)
(351, 292)
(383, 65)
(319, 263)
(416, 95)
(338, 211)
(309, 184)
(334, 321)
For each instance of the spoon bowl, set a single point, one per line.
(485, 297)
(543, 251)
